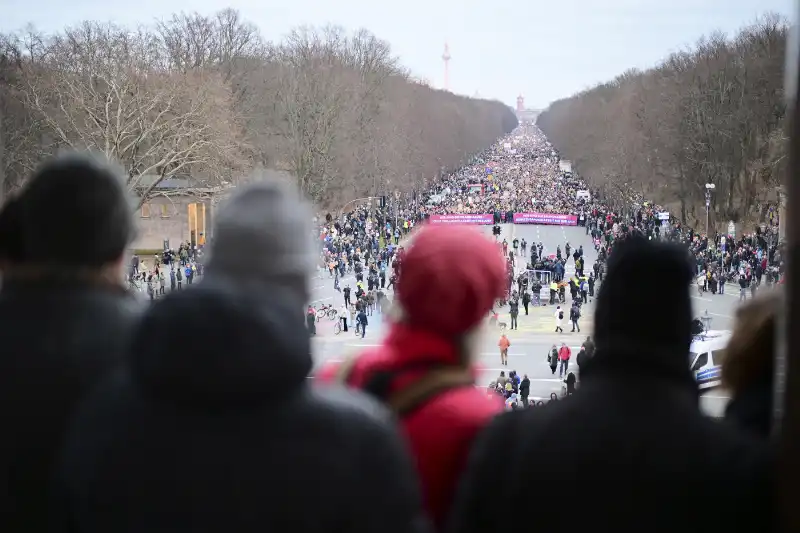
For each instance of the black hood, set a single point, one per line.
(628, 359)
(632, 337)
(218, 345)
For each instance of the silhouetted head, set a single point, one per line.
(75, 217)
(625, 327)
(11, 244)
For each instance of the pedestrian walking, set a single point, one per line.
(513, 307)
(559, 316)
(552, 359)
(564, 353)
(504, 344)
(362, 320)
(574, 315)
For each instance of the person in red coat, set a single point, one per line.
(423, 369)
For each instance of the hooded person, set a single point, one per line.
(65, 317)
(423, 368)
(211, 425)
(633, 435)
(11, 243)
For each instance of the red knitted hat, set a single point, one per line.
(451, 277)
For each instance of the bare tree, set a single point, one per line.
(710, 114)
(19, 140)
(205, 98)
(97, 89)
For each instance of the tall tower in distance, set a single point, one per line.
(520, 104)
(446, 59)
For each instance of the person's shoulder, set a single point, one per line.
(504, 427)
(467, 407)
(351, 408)
(358, 367)
(726, 441)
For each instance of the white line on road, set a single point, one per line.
(322, 362)
(363, 345)
(704, 299)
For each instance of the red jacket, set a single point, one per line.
(563, 353)
(440, 433)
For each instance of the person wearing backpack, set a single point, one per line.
(559, 315)
(552, 359)
(423, 370)
(574, 315)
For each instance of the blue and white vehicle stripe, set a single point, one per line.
(709, 374)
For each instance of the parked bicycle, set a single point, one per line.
(326, 310)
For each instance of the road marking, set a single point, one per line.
(719, 314)
(321, 363)
(704, 299)
(363, 345)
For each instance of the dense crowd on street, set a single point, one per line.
(195, 414)
(524, 173)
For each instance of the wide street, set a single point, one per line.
(536, 334)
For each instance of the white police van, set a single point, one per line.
(705, 357)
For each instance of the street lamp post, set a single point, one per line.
(709, 187)
(396, 208)
(781, 214)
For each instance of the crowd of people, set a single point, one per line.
(168, 271)
(195, 414)
(364, 244)
(523, 173)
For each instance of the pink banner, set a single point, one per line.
(545, 218)
(457, 218)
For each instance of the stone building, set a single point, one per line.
(179, 211)
(172, 216)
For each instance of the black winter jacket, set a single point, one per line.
(59, 338)
(212, 427)
(634, 443)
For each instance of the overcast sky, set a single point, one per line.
(542, 49)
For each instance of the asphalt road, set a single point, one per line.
(535, 335)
